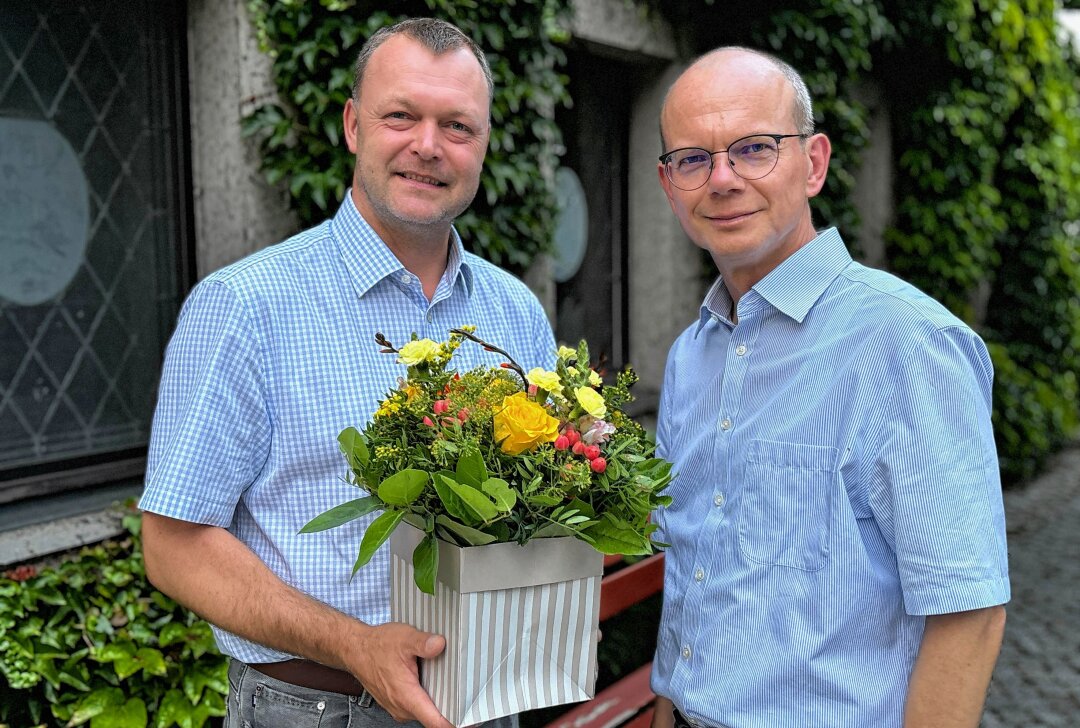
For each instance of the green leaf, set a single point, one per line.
(115, 651)
(174, 709)
(131, 714)
(471, 536)
(475, 501)
(404, 487)
(348, 511)
(504, 496)
(425, 561)
(471, 469)
(612, 536)
(375, 535)
(354, 448)
(544, 500)
(454, 506)
(95, 703)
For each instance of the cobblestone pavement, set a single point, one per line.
(1037, 680)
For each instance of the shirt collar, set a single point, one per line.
(794, 286)
(369, 260)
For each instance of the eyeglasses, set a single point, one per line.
(751, 157)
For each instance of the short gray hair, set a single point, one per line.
(438, 36)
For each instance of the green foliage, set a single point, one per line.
(478, 457)
(314, 46)
(989, 199)
(92, 642)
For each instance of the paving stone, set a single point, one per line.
(1037, 680)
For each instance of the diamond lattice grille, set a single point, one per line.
(78, 368)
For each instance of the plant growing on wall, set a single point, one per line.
(314, 45)
(90, 641)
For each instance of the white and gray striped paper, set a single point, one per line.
(509, 649)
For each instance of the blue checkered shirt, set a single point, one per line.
(837, 481)
(272, 357)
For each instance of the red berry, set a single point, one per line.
(561, 443)
(598, 465)
(573, 436)
(591, 452)
(578, 447)
(463, 414)
(440, 406)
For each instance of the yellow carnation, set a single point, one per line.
(548, 381)
(594, 379)
(591, 401)
(418, 352)
(521, 424)
(566, 353)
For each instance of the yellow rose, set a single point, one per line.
(417, 352)
(591, 401)
(548, 381)
(521, 424)
(566, 353)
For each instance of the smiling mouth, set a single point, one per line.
(423, 179)
(731, 218)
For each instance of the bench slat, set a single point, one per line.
(631, 585)
(613, 705)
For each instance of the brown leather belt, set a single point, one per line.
(308, 674)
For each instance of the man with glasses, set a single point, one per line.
(837, 534)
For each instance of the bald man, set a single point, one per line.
(837, 533)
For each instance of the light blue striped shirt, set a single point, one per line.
(836, 481)
(272, 357)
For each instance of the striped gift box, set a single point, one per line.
(520, 623)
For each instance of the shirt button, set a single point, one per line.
(725, 424)
(406, 278)
(321, 705)
(430, 317)
(718, 500)
(686, 652)
(699, 575)
(740, 349)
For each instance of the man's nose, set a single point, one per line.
(426, 140)
(722, 175)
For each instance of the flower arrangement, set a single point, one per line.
(497, 455)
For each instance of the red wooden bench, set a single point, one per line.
(628, 702)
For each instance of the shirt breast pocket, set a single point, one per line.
(786, 504)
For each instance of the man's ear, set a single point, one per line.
(666, 184)
(348, 120)
(819, 151)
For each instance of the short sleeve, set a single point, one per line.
(211, 429)
(936, 491)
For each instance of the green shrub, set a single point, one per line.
(90, 641)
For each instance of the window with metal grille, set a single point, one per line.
(94, 253)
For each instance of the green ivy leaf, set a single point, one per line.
(95, 703)
(375, 535)
(348, 511)
(403, 487)
(131, 714)
(174, 709)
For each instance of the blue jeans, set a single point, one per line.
(258, 701)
